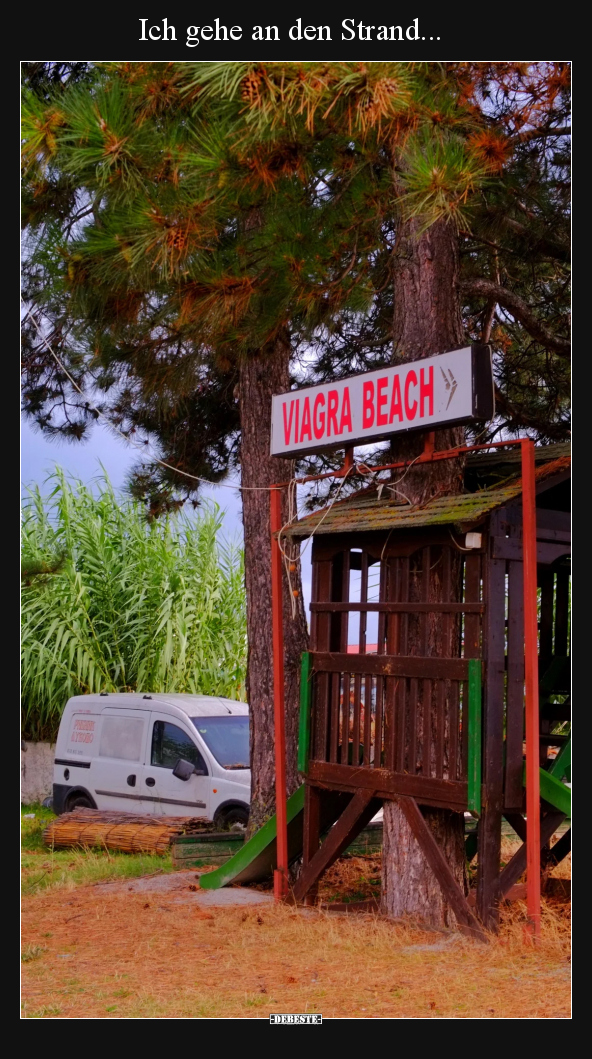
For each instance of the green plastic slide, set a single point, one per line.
(256, 860)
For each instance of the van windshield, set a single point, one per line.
(227, 738)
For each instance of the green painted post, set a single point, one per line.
(305, 695)
(562, 765)
(474, 741)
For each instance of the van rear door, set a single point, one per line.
(118, 769)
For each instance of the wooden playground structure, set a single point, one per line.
(465, 693)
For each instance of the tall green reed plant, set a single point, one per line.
(125, 604)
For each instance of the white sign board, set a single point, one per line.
(450, 388)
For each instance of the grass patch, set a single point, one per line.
(139, 958)
(44, 868)
(32, 952)
(88, 954)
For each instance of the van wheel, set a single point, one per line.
(79, 801)
(236, 818)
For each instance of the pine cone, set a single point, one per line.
(250, 87)
(177, 239)
(387, 85)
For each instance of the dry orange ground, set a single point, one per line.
(133, 956)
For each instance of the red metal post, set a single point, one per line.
(531, 672)
(280, 876)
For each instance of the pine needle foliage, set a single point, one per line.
(180, 216)
(131, 605)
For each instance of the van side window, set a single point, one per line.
(169, 743)
(122, 737)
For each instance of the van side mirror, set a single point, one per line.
(183, 770)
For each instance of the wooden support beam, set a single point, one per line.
(467, 922)
(517, 821)
(555, 854)
(444, 794)
(424, 668)
(517, 865)
(311, 832)
(387, 607)
(354, 818)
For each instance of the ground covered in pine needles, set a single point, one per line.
(92, 954)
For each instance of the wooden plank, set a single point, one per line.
(452, 893)
(426, 685)
(474, 718)
(427, 668)
(511, 548)
(379, 686)
(362, 807)
(445, 794)
(441, 685)
(559, 851)
(305, 703)
(513, 787)
(403, 730)
(341, 593)
(345, 717)
(493, 718)
(391, 732)
(363, 599)
(367, 719)
(335, 688)
(387, 607)
(544, 534)
(311, 832)
(546, 520)
(336, 639)
(413, 703)
(472, 624)
(321, 641)
(517, 865)
(344, 598)
(517, 821)
(356, 719)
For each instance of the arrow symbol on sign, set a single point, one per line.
(450, 384)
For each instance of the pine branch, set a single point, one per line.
(520, 311)
(538, 134)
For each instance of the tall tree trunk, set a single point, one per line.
(427, 321)
(262, 374)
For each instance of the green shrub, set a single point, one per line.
(114, 602)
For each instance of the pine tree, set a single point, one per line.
(222, 219)
(171, 280)
(481, 119)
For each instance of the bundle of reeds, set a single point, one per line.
(126, 832)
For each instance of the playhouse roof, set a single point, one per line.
(374, 508)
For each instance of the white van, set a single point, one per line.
(168, 755)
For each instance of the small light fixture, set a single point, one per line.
(473, 540)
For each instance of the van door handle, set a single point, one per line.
(150, 782)
(131, 781)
